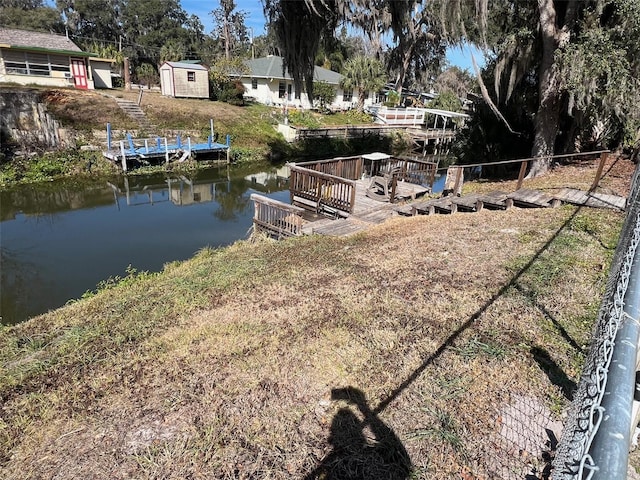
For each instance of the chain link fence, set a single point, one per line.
(596, 437)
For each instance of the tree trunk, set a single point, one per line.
(362, 96)
(548, 114)
(227, 40)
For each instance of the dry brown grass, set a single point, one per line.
(391, 354)
(86, 110)
(575, 174)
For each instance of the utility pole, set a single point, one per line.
(127, 79)
(253, 52)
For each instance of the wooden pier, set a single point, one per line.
(160, 149)
(328, 204)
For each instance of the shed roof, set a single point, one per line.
(271, 67)
(188, 66)
(28, 40)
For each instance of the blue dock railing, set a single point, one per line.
(140, 149)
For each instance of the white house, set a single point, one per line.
(181, 79)
(266, 83)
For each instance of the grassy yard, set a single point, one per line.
(403, 352)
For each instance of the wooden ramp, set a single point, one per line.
(591, 199)
(368, 211)
(533, 199)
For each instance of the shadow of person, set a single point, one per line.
(363, 446)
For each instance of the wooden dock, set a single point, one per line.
(366, 212)
(336, 197)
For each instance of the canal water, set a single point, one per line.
(59, 240)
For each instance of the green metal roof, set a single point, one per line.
(73, 53)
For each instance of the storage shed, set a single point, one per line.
(101, 71)
(178, 79)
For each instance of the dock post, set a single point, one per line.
(211, 128)
(146, 145)
(209, 140)
(108, 136)
(228, 148)
(166, 150)
(124, 156)
(523, 170)
(603, 160)
(189, 145)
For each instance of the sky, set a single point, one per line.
(255, 20)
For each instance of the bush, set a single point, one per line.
(356, 116)
(302, 118)
(227, 91)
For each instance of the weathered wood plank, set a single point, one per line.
(533, 198)
(496, 200)
(470, 203)
(591, 199)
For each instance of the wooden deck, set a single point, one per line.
(366, 211)
(337, 201)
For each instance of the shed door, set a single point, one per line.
(167, 88)
(79, 71)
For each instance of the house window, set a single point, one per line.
(23, 63)
(191, 76)
(254, 83)
(347, 95)
(282, 90)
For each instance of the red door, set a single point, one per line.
(79, 71)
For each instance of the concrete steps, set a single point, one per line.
(134, 111)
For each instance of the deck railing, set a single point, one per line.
(455, 173)
(401, 116)
(420, 172)
(321, 192)
(349, 131)
(276, 218)
(344, 167)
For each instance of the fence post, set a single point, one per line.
(457, 188)
(603, 160)
(523, 170)
(394, 184)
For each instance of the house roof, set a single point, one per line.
(189, 66)
(38, 41)
(271, 67)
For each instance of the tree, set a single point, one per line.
(324, 93)
(90, 20)
(229, 26)
(147, 74)
(528, 39)
(30, 15)
(363, 74)
(456, 80)
(224, 79)
(172, 51)
(549, 41)
(149, 24)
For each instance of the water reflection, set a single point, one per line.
(60, 239)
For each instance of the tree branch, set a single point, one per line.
(487, 98)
